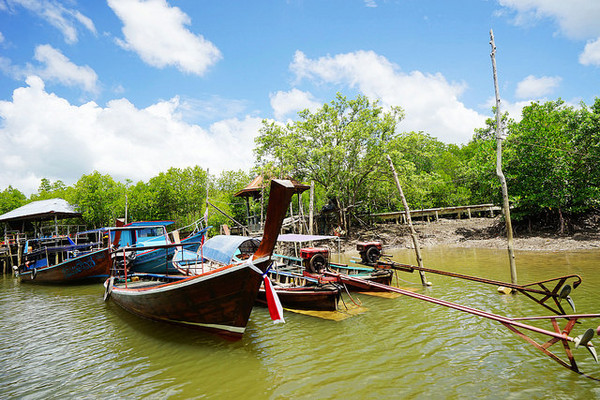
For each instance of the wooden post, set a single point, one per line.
(262, 206)
(505, 204)
(300, 214)
(311, 209)
(413, 234)
(206, 205)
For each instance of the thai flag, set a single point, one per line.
(275, 308)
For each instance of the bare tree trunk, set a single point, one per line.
(413, 233)
(505, 206)
(562, 221)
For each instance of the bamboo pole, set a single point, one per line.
(413, 233)
(311, 209)
(505, 204)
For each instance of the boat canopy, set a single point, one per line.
(225, 249)
(297, 238)
(41, 210)
(151, 223)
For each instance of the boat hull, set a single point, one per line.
(367, 273)
(219, 301)
(305, 298)
(93, 266)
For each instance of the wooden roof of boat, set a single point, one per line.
(254, 188)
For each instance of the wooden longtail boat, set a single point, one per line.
(218, 301)
(60, 260)
(294, 291)
(313, 261)
(302, 292)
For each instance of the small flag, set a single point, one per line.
(206, 216)
(275, 308)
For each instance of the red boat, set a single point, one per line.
(219, 300)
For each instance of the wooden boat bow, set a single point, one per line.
(279, 200)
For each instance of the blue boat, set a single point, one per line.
(153, 233)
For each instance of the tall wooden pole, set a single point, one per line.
(413, 233)
(207, 188)
(311, 210)
(505, 204)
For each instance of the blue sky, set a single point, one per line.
(131, 88)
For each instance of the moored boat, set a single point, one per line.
(293, 290)
(219, 300)
(313, 261)
(61, 260)
(302, 293)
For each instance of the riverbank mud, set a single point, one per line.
(474, 232)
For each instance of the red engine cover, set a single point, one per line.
(362, 246)
(308, 252)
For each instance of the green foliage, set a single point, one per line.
(99, 199)
(11, 198)
(550, 159)
(51, 190)
(221, 195)
(340, 147)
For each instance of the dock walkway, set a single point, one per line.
(436, 213)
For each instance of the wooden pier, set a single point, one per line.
(435, 213)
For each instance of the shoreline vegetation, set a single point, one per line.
(474, 232)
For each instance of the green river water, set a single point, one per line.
(65, 342)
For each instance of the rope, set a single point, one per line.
(351, 298)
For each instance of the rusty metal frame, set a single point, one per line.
(513, 324)
(540, 295)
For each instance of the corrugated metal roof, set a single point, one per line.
(40, 210)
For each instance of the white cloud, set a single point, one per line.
(56, 14)
(533, 87)
(591, 53)
(1, 37)
(157, 33)
(63, 141)
(431, 103)
(577, 19)
(286, 103)
(60, 68)
(55, 67)
(370, 3)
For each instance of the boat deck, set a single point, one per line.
(139, 284)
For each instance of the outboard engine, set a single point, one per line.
(370, 252)
(314, 259)
(119, 261)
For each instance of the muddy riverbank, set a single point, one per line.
(475, 232)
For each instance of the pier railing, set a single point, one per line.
(436, 213)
